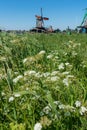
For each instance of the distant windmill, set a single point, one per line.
(84, 21)
(40, 20)
(40, 24)
(83, 27)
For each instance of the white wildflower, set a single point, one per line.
(66, 63)
(2, 58)
(15, 80)
(15, 73)
(68, 107)
(70, 76)
(69, 46)
(17, 95)
(31, 59)
(38, 75)
(46, 74)
(31, 73)
(54, 73)
(79, 44)
(65, 53)
(3, 94)
(38, 126)
(11, 99)
(27, 89)
(78, 103)
(83, 110)
(54, 79)
(70, 41)
(24, 60)
(74, 45)
(61, 106)
(26, 73)
(42, 52)
(46, 109)
(61, 66)
(74, 53)
(57, 102)
(56, 57)
(66, 82)
(65, 73)
(50, 56)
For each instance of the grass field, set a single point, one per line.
(43, 81)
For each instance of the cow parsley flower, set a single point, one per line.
(32, 72)
(38, 75)
(65, 73)
(78, 103)
(3, 94)
(66, 63)
(54, 78)
(17, 95)
(38, 126)
(61, 106)
(61, 66)
(46, 109)
(57, 102)
(50, 56)
(83, 110)
(54, 73)
(15, 80)
(24, 60)
(11, 99)
(66, 82)
(42, 52)
(46, 74)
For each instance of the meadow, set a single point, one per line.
(43, 81)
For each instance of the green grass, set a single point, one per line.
(43, 79)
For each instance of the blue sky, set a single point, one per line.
(20, 14)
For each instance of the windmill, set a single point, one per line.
(84, 21)
(40, 20)
(83, 26)
(40, 24)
